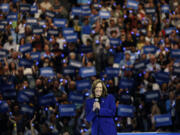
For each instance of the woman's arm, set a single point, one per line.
(90, 114)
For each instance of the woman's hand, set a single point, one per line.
(96, 105)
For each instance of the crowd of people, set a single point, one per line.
(52, 51)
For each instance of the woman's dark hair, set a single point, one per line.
(104, 92)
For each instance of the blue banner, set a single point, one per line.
(35, 56)
(87, 71)
(69, 70)
(74, 63)
(47, 100)
(54, 32)
(5, 22)
(71, 37)
(162, 77)
(26, 109)
(31, 21)
(4, 7)
(25, 48)
(104, 14)
(125, 110)
(149, 49)
(76, 97)
(24, 7)
(115, 41)
(165, 9)
(112, 72)
(169, 30)
(50, 14)
(151, 11)
(163, 120)
(83, 84)
(47, 72)
(140, 65)
(143, 31)
(175, 53)
(3, 53)
(152, 95)
(126, 83)
(59, 22)
(86, 12)
(38, 30)
(76, 11)
(176, 70)
(2, 27)
(12, 17)
(67, 110)
(25, 63)
(68, 31)
(33, 9)
(4, 107)
(118, 57)
(132, 4)
(83, 1)
(42, 23)
(85, 49)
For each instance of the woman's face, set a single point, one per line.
(98, 90)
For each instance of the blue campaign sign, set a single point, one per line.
(68, 31)
(176, 70)
(118, 57)
(59, 22)
(4, 107)
(163, 120)
(86, 12)
(71, 37)
(169, 30)
(26, 109)
(83, 84)
(143, 31)
(83, 1)
(115, 41)
(151, 11)
(4, 7)
(126, 83)
(31, 21)
(112, 72)
(50, 14)
(76, 97)
(47, 72)
(54, 32)
(24, 7)
(42, 23)
(162, 77)
(152, 95)
(150, 49)
(140, 65)
(25, 62)
(132, 4)
(165, 8)
(22, 97)
(104, 14)
(85, 49)
(12, 17)
(87, 71)
(2, 27)
(3, 53)
(76, 11)
(67, 110)
(175, 53)
(9, 94)
(33, 9)
(125, 110)
(46, 100)
(5, 22)
(25, 48)
(69, 70)
(75, 63)
(35, 56)
(37, 30)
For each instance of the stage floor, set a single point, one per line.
(148, 133)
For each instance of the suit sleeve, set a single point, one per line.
(90, 114)
(111, 110)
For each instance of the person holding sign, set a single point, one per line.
(100, 110)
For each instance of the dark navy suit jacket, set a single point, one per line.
(102, 123)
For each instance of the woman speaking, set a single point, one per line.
(100, 110)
